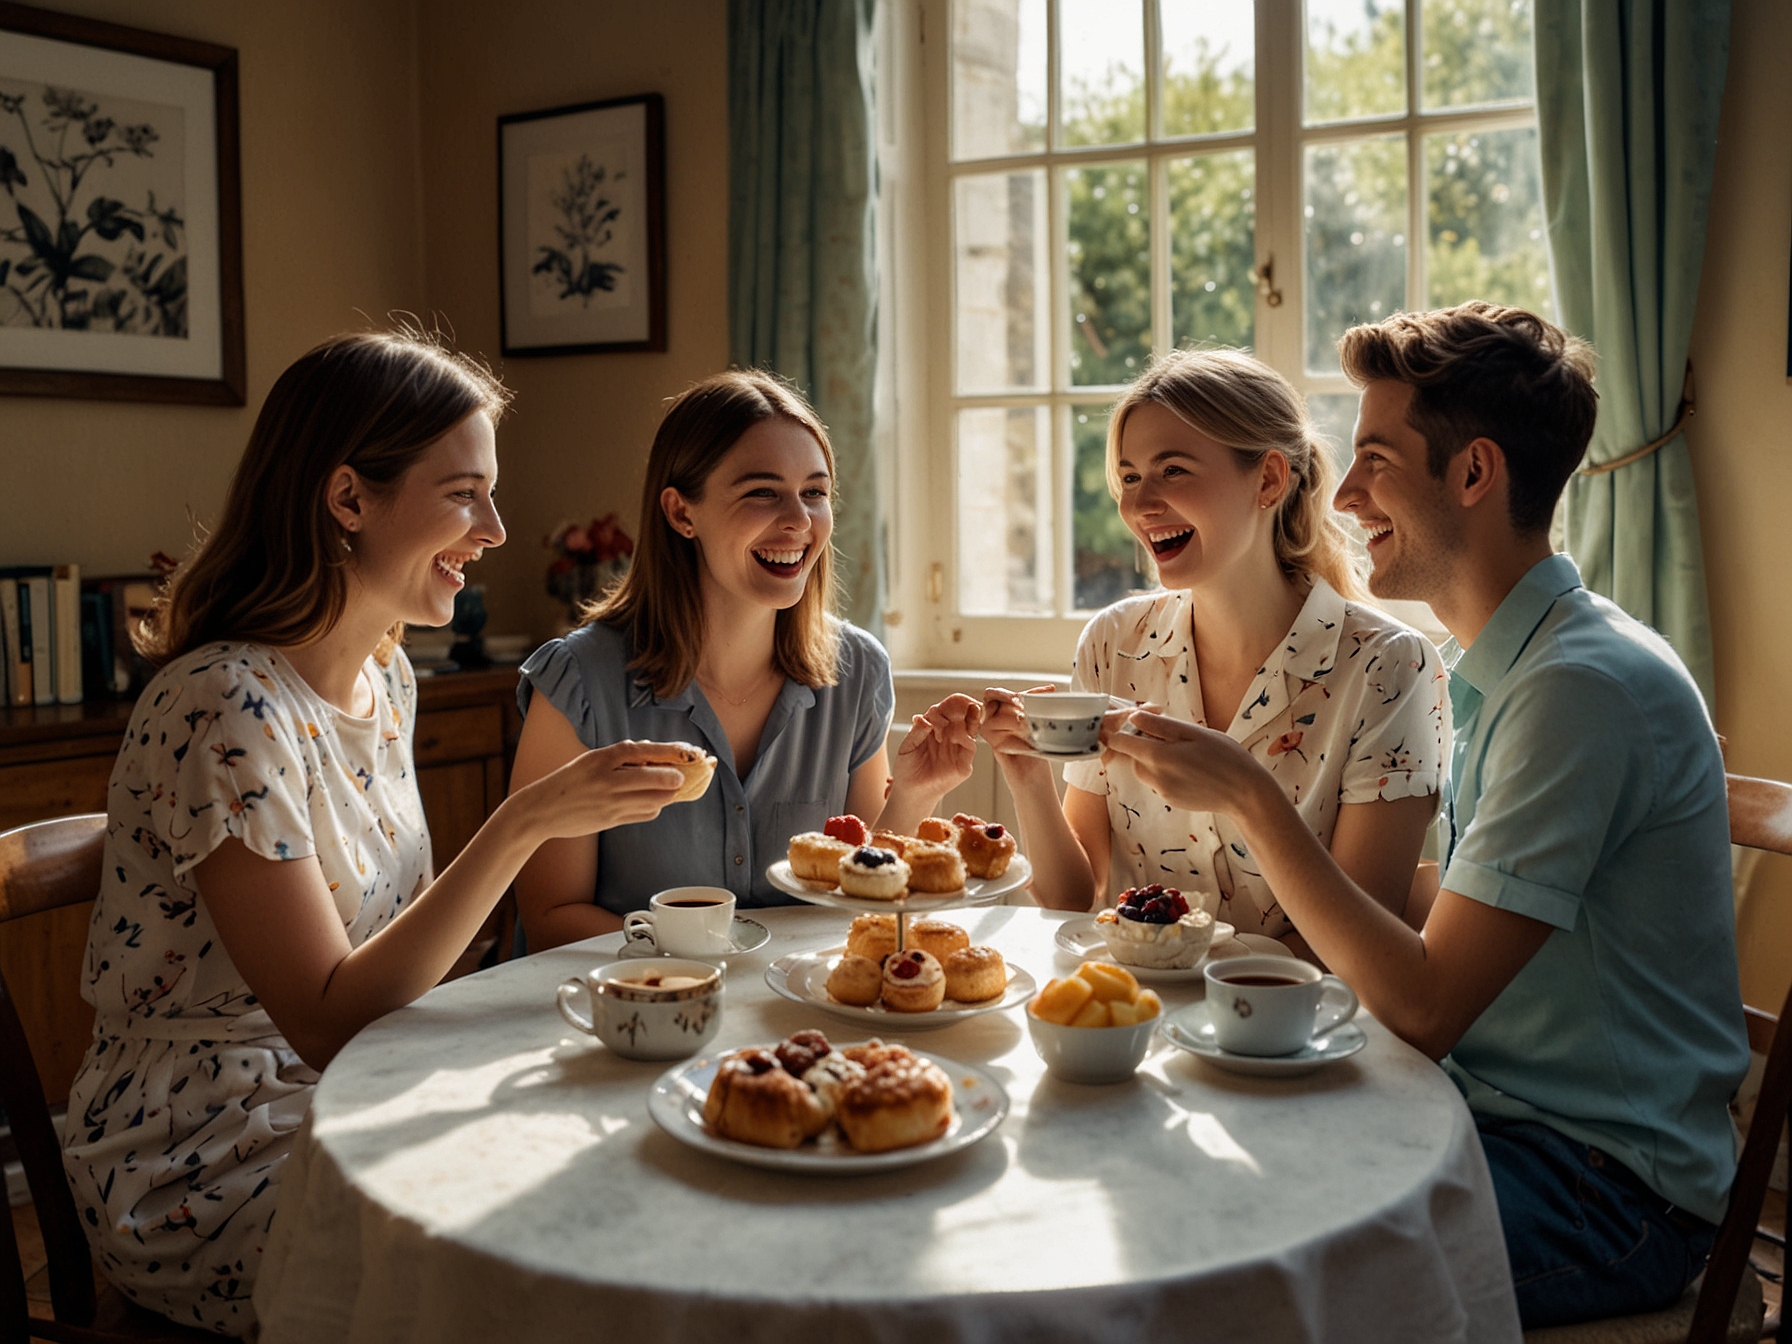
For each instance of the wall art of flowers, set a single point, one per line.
(93, 234)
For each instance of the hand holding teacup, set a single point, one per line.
(1188, 766)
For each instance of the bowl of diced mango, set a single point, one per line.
(1094, 1026)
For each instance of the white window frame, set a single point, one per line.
(925, 628)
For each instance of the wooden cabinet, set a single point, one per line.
(55, 761)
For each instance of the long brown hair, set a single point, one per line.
(659, 602)
(1243, 404)
(274, 570)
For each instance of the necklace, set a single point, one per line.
(728, 699)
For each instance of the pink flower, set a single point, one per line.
(1284, 744)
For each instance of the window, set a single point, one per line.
(1117, 178)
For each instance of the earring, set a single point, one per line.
(347, 545)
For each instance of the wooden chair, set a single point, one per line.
(1725, 1306)
(47, 866)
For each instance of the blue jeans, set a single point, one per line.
(1586, 1238)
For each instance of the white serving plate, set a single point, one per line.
(802, 978)
(675, 1102)
(1191, 1029)
(977, 891)
(1081, 938)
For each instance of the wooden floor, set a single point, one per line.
(37, 1289)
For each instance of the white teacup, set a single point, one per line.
(647, 1009)
(1273, 1005)
(1063, 720)
(685, 922)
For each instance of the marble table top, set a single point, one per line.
(472, 1164)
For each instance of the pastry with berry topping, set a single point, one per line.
(815, 857)
(986, 845)
(849, 830)
(1153, 926)
(874, 873)
(914, 982)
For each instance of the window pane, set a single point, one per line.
(1004, 510)
(1356, 239)
(1356, 59)
(998, 77)
(1210, 60)
(1106, 563)
(1101, 55)
(1110, 272)
(1334, 414)
(1477, 52)
(1486, 220)
(1000, 276)
(1213, 213)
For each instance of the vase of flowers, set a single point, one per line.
(589, 559)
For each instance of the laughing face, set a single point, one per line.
(415, 542)
(765, 515)
(1413, 535)
(1188, 498)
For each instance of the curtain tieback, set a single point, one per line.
(1688, 406)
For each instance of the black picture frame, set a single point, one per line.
(171, 329)
(582, 228)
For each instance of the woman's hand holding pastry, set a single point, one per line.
(1189, 766)
(612, 786)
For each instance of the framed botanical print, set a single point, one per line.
(582, 228)
(120, 213)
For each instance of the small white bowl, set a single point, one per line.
(1092, 1054)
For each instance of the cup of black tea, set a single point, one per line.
(1268, 1005)
(685, 922)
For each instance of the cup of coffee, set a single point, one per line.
(685, 922)
(1063, 721)
(1273, 1005)
(646, 1010)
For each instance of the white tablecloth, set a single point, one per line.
(473, 1170)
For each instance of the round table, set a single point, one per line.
(474, 1170)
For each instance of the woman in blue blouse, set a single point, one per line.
(722, 635)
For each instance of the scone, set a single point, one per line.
(974, 974)
(938, 831)
(872, 936)
(696, 765)
(901, 1100)
(913, 982)
(876, 874)
(815, 857)
(753, 1098)
(858, 981)
(986, 845)
(890, 840)
(932, 867)
(937, 936)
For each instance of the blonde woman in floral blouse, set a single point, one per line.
(268, 888)
(1259, 631)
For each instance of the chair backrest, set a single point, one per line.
(1760, 818)
(45, 866)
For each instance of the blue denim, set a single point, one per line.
(1586, 1238)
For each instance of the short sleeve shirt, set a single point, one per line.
(230, 741)
(815, 737)
(1350, 708)
(1588, 794)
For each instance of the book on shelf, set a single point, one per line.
(18, 653)
(40, 632)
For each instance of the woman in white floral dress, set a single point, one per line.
(1258, 632)
(268, 889)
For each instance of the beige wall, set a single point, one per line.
(330, 226)
(578, 439)
(1742, 446)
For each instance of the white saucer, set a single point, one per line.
(803, 978)
(1081, 938)
(976, 891)
(749, 936)
(1191, 1029)
(1073, 754)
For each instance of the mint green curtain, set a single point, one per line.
(802, 261)
(1627, 104)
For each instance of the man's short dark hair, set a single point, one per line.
(1479, 370)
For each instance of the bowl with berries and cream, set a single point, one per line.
(1154, 926)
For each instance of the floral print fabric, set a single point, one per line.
(188, 1099)
(1352, 707)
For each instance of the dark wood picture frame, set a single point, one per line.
(521, 258)
(229, 386)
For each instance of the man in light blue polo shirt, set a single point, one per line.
(1576, 969)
